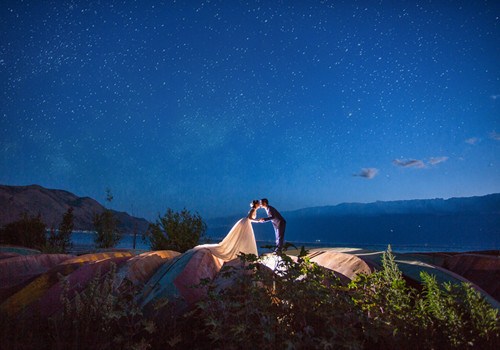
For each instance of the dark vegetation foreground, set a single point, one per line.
(248, 306)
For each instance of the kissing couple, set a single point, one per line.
(241, 238)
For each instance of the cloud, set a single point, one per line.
(367, 173)
(472, 140)
(437, 160)
(495, 97)
(409, 163)
(419, 164)
(495, 136)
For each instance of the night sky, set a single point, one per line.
(210, 104)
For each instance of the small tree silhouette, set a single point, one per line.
(106, 226)
(60, 241)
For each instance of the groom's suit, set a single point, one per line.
(279, 224)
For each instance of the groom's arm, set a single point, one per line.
(270, 216)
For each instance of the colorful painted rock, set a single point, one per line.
(18, 250)
(8, 255)
(177, 278)
(50, 303)
(347, 265)
(479, 268)
(36, 288)
(98, 256)
(15, 270)
(139, 269)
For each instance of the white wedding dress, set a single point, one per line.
(240, 239)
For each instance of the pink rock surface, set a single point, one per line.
(140, 268)
(202, 265)
(483, 270)
(18, 269)
(50, 302)
(8, 255)
(98, 256)
(348, 265)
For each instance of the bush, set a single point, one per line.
(28, 231)
(107, 234)
(303, 307)
(177, 231)
(448, 316)
(59, 241)
(306, 306)
(101, 317)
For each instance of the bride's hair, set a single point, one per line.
(254, 203)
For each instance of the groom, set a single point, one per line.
(279, 223)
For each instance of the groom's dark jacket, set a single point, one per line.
(274, 216)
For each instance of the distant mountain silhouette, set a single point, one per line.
(52, 204)
(470, 221)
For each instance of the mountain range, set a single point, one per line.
(52, 204)
(454, 222)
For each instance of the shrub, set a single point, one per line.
(59, 241)
(107, 234)
(100, 317)
(457, 315)
(304, 307)
(177, 231)
(447, 316)
(28, 231)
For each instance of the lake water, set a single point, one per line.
(84, 241)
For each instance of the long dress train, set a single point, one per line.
(176, 278)
(240, 239)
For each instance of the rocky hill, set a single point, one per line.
(52, 204)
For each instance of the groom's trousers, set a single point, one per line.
(279, 231)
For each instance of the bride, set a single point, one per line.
(240, 238)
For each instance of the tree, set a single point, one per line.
(106, 226)
(60, 240)
(28, 231)
(177, 231)
(66, 228)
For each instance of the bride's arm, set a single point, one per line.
(252, 214)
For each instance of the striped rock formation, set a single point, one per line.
(35, 283)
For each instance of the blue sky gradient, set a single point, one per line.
(210, 104)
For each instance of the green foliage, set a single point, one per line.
(299, 305)
(387, 303)
(107, 234)
(177, 231)
(446, 316)
(306, 306)
(303, 306)
(66, 229)
(60, 241)
(28, 231)
(101, 317)
(457, 314)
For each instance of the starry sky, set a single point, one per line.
(210, 104)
